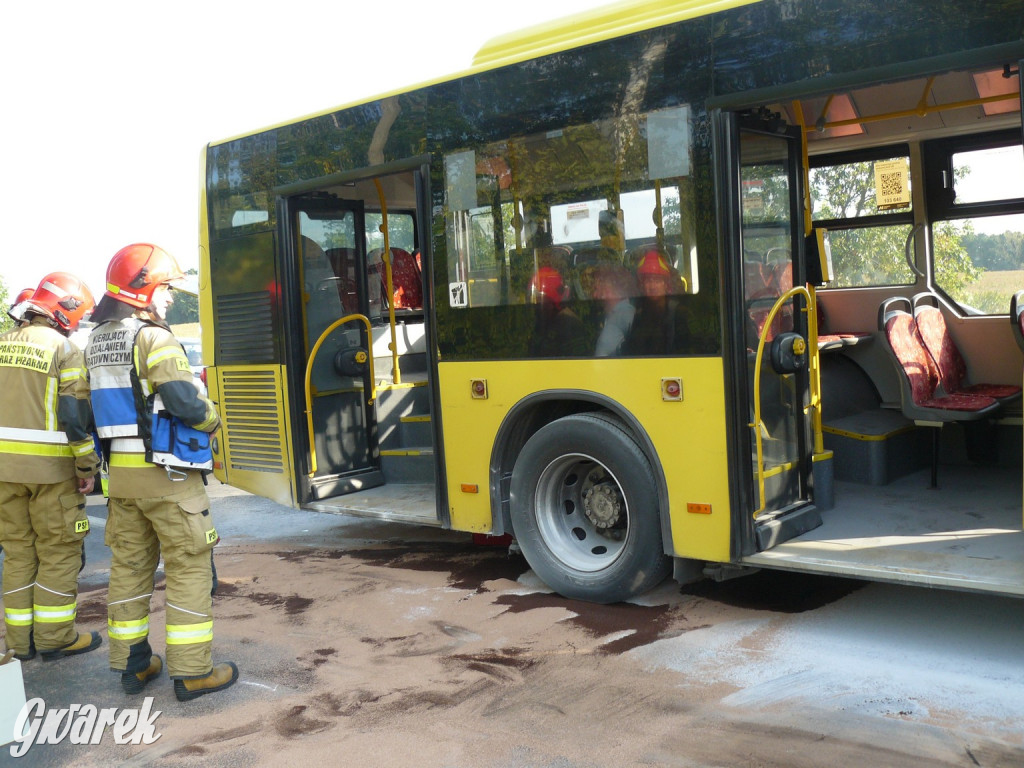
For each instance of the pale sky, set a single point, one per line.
(107, 104)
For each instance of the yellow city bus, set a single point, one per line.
(647, 289)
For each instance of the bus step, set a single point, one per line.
(408, 465)
(329, 486)
(416, 430)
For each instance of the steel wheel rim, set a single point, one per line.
(569, 534)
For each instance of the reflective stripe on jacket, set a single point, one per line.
(160, 362)
(108, 356)
(44, 407)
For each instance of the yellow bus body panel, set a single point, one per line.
(253, 405)
(587, 27)
(206, 324)
(689, 436)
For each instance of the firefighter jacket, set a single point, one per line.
(109, 358)
(116, 351)
(44, 407)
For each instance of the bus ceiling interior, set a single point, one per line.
(887, 522)
(960, 102)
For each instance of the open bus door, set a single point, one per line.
(770, 243)
(328, 242)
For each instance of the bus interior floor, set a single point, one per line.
(414, 503)
(905, 532)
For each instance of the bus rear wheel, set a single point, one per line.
(585, 510)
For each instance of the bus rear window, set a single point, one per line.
(864, 202)
(988, 175)
(851, 190)
(976, 202)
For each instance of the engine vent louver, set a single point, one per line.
(251, 412)
(244, 328)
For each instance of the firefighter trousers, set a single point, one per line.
(42, 530)
(138, 532)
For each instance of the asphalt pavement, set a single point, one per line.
(919, 676)
(239, 518)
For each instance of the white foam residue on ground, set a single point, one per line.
(883, 650)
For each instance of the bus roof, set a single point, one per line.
(615, 20)
(603, 23)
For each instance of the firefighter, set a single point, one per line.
(661, 325)
(153, 509)
(47, 464)
(16, 312)
(558, 331)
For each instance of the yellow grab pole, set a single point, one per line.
(814, 405)
(309, 376)
(819, 440)
(921, 110)
(396, 374)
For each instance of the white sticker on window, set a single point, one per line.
(460, 176)
(668, 142)
(458, 294)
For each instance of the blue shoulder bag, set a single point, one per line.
(175, 444)
(169, 441)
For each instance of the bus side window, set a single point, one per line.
(343, 262)
(321, 287)
(406, 280)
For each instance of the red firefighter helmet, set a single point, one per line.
(656, 276)
(654, 263)
(137, 270)
(15, 312)
(63, 298)
(547, 286)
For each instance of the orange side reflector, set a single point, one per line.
(470, 488)
(698, 509)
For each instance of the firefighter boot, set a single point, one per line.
(221, 676)
(31, 649)
(87, 641)
(134, 682)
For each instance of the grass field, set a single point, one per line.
(991, 293)
(1006, 282)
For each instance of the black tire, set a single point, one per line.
(585, 512)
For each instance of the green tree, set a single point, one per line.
(876, 255)
(185, 308)
(5, 320)
(996, 252)
(955, 271)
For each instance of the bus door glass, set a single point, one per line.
(771, 222)
(329, 243)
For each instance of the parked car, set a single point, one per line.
(80, 337)
(194, 353)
